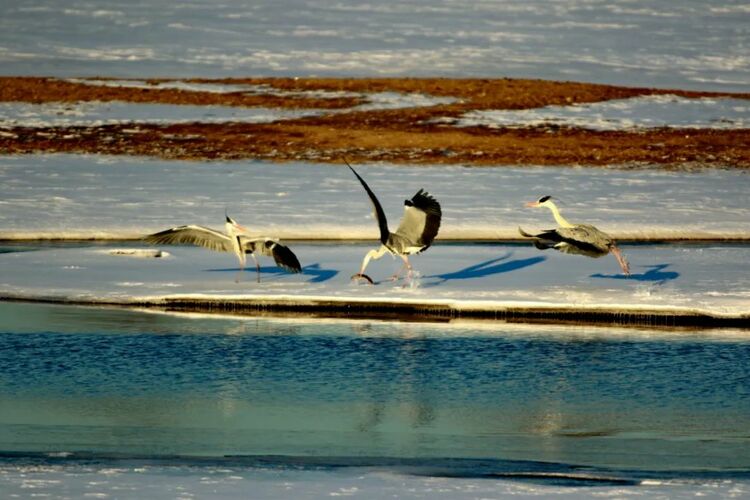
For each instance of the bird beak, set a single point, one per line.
(240, 227)
(531, 204)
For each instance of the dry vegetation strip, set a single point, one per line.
(402, 135)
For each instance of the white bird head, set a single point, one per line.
(544, 201)
(232, 225)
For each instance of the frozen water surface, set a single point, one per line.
(690, 44)
(88, 196)
(623, 114)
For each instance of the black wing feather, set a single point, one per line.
(430, 206)
(379, 213)
(285, 258)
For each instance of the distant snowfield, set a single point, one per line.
(90, 196)
(622, 114)
(712, 279)
(690, 44)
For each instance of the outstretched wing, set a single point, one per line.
(270, 247)
(421, 221)
(194, 235)
(285, 258)
(377, 208)
(579, 240)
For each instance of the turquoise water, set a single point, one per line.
(105, 382)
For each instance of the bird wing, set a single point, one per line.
(285, 258)
(281, 254)
(582, 239)
(377, 208)
(421, 221)
(194, 235)
(586, 237)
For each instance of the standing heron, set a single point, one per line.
(579, 239)
(235, 240)
(416, 231)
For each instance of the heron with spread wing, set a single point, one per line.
(415, 233)
(578, 239)
(235, 240)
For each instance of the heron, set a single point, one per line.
(578, 239)
(234, 240)
(415, 233)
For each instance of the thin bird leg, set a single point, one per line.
(406, 265)
(257, 266)
(239, 273)
(372, 254)
(621, 259)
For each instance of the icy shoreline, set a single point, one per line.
(671, 285)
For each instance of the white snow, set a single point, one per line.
(157, 482)
(621, 114)
(374, 100)
(95, 113)
(707, 278)
(637, 42)
(89, 196)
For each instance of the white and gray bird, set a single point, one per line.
(415, 233)
(235, 240)
(578, 239)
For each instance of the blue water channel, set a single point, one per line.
(103, 381)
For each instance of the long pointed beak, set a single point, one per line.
(531, 204)
(240, 227)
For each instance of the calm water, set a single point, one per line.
(104, 382)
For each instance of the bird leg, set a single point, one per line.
(372, 254)
(406, 265)
(257, 266)
(621, 259)
(239, 273)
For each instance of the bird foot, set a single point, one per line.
(360, 276)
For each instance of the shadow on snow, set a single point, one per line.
(654, 273)
(318, 275)
(486, 268)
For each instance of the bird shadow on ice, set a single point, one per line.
(486, 268)
(318, 275)
(654, 273)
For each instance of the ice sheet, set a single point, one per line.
(126, 481)
(713, 279)
(87, 196)
(622, 114)
(693, 43)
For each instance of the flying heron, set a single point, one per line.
(579, 239)
(235, 240)
(416, 231)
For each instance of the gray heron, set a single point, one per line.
(415, 233)
(578, 239)
(235, 240)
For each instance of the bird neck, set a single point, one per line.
(556, 214)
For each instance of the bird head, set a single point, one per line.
(236, 226)
(541, 202)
